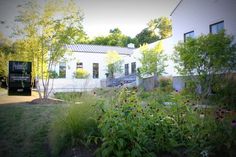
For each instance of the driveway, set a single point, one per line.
(5, 99)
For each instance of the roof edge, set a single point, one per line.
(99, 45)
(176, 7)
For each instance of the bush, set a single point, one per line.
(166, 84)
(76, 125)
(81, 73)
(133, 128)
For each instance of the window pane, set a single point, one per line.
(62, 70)
(217, 27)
(133, 67)
(79, 65)
(188, 35)
(126, 69)
(95, 70)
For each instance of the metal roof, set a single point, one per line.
(99, 49)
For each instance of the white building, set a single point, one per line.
(91, 58)
(190, 18)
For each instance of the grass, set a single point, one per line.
(74, 125)
(24, 130)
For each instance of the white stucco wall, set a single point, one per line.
(87, 59)
(198, 15)
(71, 83)
(167, 50)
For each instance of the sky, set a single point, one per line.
(130, 16)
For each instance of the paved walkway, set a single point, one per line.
(5, 99)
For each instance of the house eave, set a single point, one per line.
(176, 7)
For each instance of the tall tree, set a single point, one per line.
(46, 29)
(115, 38)
(162, 27)
(152, 60)
(146, 36)
(156, 29)
(6, 53)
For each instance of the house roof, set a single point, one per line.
(176, 7)
(99, 49)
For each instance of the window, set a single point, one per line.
(133, 67)
(217, 27)
(126, 69)
(188, 35)
(95, 70)
(62, 70)
(79, 65)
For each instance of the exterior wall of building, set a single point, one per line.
(73, 84)
(197, 16)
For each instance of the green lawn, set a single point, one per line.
(24, 130)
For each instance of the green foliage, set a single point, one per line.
(7, 53)
(47, 29)
(68, 96)
(146, 36)
(76, 125)
(114, 63)
(157, 29)
(81, 73)
(166, 84)
(204, 58)
(152, 60)
(115, 38)
(163, 25)
(168, 124)
(53, 74)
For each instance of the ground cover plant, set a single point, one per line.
(131, 122)
(153, 129)
(118, 122)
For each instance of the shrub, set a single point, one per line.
(133, 128)
(166, 84)
(81, 73)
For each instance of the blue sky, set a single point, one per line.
(100, 16)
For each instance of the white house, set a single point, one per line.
(91, 58)
(190, 18)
